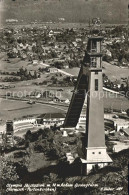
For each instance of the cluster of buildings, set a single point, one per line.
(59, 48)
(121, 85)
(50, 45)
(13, 127)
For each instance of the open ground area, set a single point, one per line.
(10, 109)
(115, 72)
(15, 109)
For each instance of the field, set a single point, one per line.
(73, 71)
(15, 64)
(115, 72)
(115, 101)
(10, 109)
(16, 109)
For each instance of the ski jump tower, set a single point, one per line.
(90, 84)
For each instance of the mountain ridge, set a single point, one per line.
(110, 11)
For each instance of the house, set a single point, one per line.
(15, 50)
(67, 101)
(65, 66)
(21, 45)
(35, 62)
(125, 131)
(70, 157)
(65, 134)
(74, 43)
(51, 33)
(52, 118)
(121, 124)
(115, 61)
(78, 39)
(61, 19)
(57, 32)
(120, 146)
(116, 84)
(1, 138)
(108, 53)
(56, 99)
(30, 48)
(38, 95)
(53, 70)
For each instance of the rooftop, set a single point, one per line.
(95, 38)
(97, 160)
(126, 131)
(52, 115)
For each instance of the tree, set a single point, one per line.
(28, 136)
(21, 72)
(55, 81)
(26, 72)
(29, 76)
(35, 75)
(9, 174)
(127, 112)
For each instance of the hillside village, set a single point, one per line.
(55, 49)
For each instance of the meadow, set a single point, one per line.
(11, 109)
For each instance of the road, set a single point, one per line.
(66, 73)
(53, 105)
(72, 75)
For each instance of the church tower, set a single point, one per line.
(96, 154)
